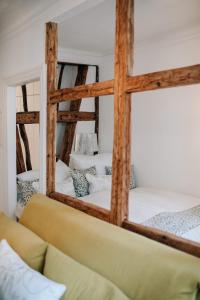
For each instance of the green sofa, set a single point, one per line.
(97, 260)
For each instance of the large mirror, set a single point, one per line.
(84, 134)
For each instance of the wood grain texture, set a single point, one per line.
(88, 208)
(164, 79)
(68, 138)
(51, 61)
(19, 154)
(75, 116)
(122, 111)
(32, 117)
(83, 91)
(164, 238)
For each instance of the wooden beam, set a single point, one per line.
(163, 237)
(62, 117)
(20, 158)
(70, 129)
(23, 133)
(83, 91)
(28, 117)
(97, 106)
(60, 80)
(122, 111)
(51, 61)
(75, 116)
(164, 79)
(88, 208)
(24, 137)
(24, 97)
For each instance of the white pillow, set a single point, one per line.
(28, 176)
(81, 161)
(19, 281)
(99, 183)
(62, 171)
(66, 187)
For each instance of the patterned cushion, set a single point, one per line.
(132, 177)
(25, 190)
(81, 185)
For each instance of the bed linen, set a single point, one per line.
(145, 203)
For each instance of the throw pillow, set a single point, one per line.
(66, 187)
(99, 183)
(81, 185)
(132, 176)
(19, 281)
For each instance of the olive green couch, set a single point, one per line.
(97, 260)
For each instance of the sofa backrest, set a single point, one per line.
(30, 247)
(143, 269)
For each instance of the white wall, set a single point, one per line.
(166, 123)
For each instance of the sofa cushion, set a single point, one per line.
(82, 283)
(143, 269)
(27, 244)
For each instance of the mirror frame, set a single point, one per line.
(122, 86)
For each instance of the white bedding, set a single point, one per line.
(145, 203)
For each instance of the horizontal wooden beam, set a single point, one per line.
(164, 238)
(83, 91)
(75, 116)
(88, 208)
(163, 79)
(63, 116)
(28, 117)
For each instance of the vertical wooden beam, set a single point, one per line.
(97, 107)
(24, 97)
(60, 80)
(51, 61)
(70, 129)
(122, 108)
(20, 159)
(23, 133)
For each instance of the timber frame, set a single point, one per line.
(122, 86)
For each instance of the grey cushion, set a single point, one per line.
(132, 176)
(81, 185)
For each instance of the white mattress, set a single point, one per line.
(145, 203)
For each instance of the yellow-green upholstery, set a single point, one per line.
(81, 282)
(141, 268)
(27, 244)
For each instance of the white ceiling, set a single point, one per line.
(93, 29)
(15, 12)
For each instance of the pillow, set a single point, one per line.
(19, 281)
(99, 183)
(66, 187)
(81, 185)
(132, 176)
(25, 190)
(28, 176)
(81, 161)
(62, 171)
(82, 282)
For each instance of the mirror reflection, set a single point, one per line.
(165, 155)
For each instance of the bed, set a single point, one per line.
(169, 211)
(147, 205)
